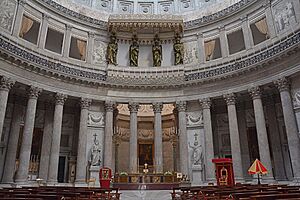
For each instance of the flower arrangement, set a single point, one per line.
(168, 173)
(123, 174)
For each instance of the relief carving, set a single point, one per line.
(99, 53)
(297, 99)
(190, 53)
(7, 13)
(95, 119)
(284, 16)
(194, 119)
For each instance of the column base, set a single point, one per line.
(296, 181)
(52, 183)
(80, 183)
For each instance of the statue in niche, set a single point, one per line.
(95, 158)
(178, 50)
(157, 52)
(134, 52)
(112, 50)
(197, 154)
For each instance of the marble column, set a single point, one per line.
(43, 31)
(234, 137)
(25, 150)
(247, 33)
(158, 137)
(133, 140)
(108, 137)
(183, 144)
(10, 159)
(82, 139)
(67, 41)
(56, 136)
(5, 85)
(90, 48)
(209, 143)
(290, 125)
(261, 130)
(18, 18)
(46, 143)
(275, 140)
(223, 42)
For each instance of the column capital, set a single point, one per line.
(60, 98)
(133, 107)
(109, 106)
(85, 103)
(6, 83)
(283, 84)
(69, 27)
(230, 98)
(181, 106)
(34, 92)
(157, 107)
(255, 92)
(22, 2)
(205, 103)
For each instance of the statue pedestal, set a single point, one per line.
(197, 173)
(94, 176)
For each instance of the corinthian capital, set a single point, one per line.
(255, 92)
(6, 83)
(85, 103)
(34, 92)
(109, 106)
(181, 106)
(133, 107)
(157, 107)
(60, 98)
(282, 84)
(205, 103)
(230, 98)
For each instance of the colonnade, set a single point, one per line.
(52, 134)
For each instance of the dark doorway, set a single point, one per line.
(61, 169)
(253, 143)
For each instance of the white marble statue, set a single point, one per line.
(197, 153)
(95, 158)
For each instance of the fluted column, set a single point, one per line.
(157, 108)
(183, 145)
(133, 108)
(25, 150)
(10, 159)
(234, 136)
(46, 143)
(209, 143)
(290, 125)
(56, 136)
(262, 136)
(108, 145)
(5, 85)
(81, 149)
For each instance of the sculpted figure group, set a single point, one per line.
(112, 50)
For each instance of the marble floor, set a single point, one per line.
(145, 195)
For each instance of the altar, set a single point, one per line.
(146, 181)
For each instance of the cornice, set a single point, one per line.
(192, 24)
(140, 78)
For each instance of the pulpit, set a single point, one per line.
(105, 177)
(224, 171)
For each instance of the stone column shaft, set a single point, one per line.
(18, 18)
(209, 143)
(247, 33)
(43, 32)
(290, 125)
(183, 144)
(46, 143)
(234, 137)
(157, 108)
(10, 159)
(108, 145)
(81, 149)
(262, 136)
(56, 136)
(5, 85)
(133, 162)
(67, 41)
(25, 151)
(224, 43)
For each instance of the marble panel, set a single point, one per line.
(190, 52)
(7, 14)
(284, 15)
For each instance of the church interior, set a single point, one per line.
(149, 99)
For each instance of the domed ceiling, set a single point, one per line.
(190, 9)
